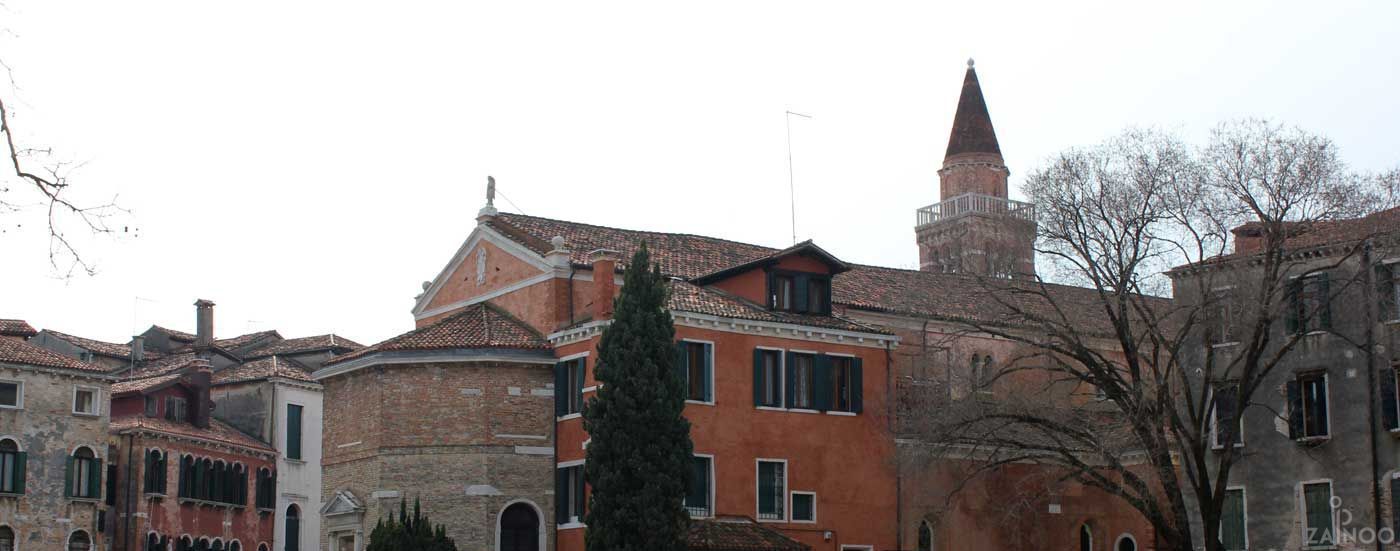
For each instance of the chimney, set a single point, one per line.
(138, 350)
(604, 263)
(1249, 238)
(204, 325)
(200, 380)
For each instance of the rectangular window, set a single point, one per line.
(1233, 531)
(84, 475)
(174, 409)
(155, 472)
(1318, 530)
(781, 294)
(767, 378)
(1390, 399)
(818, 296)
(11, 394)
(697, 501)
(293, 431)
(804, 507)
(1223, 431)
(842, 372)
(568, 387)
(1220, 319)
(569, 494)
(772, 488)
(1309, 308)
(697, 365)
(151, 406)
(85, 401)
(802, 389)
(1307, 403)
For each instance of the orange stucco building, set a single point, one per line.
(798, 364)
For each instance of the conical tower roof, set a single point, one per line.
(972, 125)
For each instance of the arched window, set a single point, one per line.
(235, 546)
(206, 480)
(79, 541)
(520, 528)
(187, 469)
(202, 544)
(155, 471)
(262, 547)
(7, 539)
(218, 545)
(1126, 543)
(84, 475)
(925, 537)
(974, 371)
(1086, 538)
(185, 544)
(12, 462)
(216, 482)
(293, 528)
(987, 373)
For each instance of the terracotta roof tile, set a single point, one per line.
(730, 533)
(234, 343)
(304, 344)
(218, 431)
(95, 346)
(19, 352)
(262, 368)
(16, 328)
(161, 366)
(708, 300)
(481, 325)
(140, 384)
(175, 335)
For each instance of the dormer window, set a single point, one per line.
(799, 292)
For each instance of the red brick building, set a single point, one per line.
(796, 363)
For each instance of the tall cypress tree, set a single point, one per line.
(639, 458)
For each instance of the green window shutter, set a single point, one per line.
(1226, 432)
(1232, 529)
(1395, 503)
(822, 382)
(709, 372)
(20, 460)
(1385, 291)
(184, 487)
(1324, 298)
(561, 396)
(789, 386)
(799, 293)
(150, 484)
(68, 477)
(758, 376)
(1318, 500)
(682, 365)
(561, 496)
(1389, 403)
(1293, 306)
(293, 431)
(94, 488)
(1295, 410)
(857, 386)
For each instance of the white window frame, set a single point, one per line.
(793, 509)
(96, 401)
(833, 402)
(810, 376)
(711, 497)
(1327, 395)
(782, 373)
(711, 369)
(1302, 497)
(1125, 536)
(1215, 443)
(757, 499)
(850, 547)
(1244, 507)
(574, 522)
(569, 358)
(19, 397)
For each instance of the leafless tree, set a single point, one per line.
(34, 179)
(1111, 387)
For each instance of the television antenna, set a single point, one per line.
(792, 189)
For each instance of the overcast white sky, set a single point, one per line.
(307, 164)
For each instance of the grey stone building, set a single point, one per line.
(53, 446)
(1320, 432)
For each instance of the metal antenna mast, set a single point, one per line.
(792, 190)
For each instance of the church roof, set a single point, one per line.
(972, 125)
(479, 326)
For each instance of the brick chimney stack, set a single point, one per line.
(138, 350)
(604, 263)
(204, 325)
(201, 378)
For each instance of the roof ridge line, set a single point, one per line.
(615, 228)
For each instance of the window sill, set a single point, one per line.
(773, 520)
(769, 408)
(700, 403)
(154, 495)
(92, 500)
(11, 495)
(1219, 448)
(294, 461)
(795, 521)
(11, 408)
(840, 414)
(1313, 441)
(206, 503)
(1230, 344)
(570, 526)
(803, 410)
(569, 416)
(82, 414)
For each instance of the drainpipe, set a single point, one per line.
(1368, 290)
(130, 492)
(898, 464)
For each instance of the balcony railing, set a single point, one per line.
(975, 203)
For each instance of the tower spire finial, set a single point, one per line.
(969, 63)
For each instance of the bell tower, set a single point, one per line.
(975, 228)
